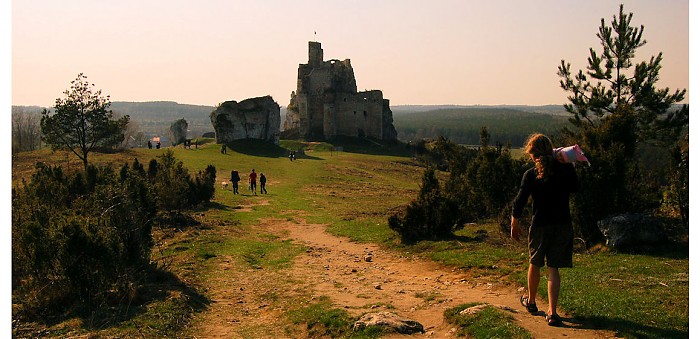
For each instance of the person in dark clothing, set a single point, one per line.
(223, 149)
(150, 145)
(263, 180)
(235, 178)
(550, 236)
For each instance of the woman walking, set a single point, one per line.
(550, 236)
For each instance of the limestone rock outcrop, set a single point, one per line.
(327, 104)
(388, 322)
(255, 118)
(178, 131)
(632, 230)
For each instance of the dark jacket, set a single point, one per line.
(235, 177)
(550, 199)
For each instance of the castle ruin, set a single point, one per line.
(327, 104)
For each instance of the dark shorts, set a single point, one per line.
(555, 243)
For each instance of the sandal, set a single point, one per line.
(553, 320)
(532, 308)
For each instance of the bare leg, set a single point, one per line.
(553, 289)
(533, 281)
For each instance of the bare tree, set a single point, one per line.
(26, 130)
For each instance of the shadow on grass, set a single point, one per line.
(624, 328)
(212, 205)
(371, 146)
(307, 157)
(479, 236)
(162, 285)
(175, 301)
(258, 148)
(177, 220)
(667, 250)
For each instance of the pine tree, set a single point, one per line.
(610, 87)
(616, 107)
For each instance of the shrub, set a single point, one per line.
(80, 237)
(489, 182)
(174, 186)
(431, 216)
(171, 183)
(85, 237)
(481, 184)
(203, 186)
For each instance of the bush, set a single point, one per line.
(203, 186)
(431, 216)
(175, 188)
(79, 237)
(85, 238)
(481, 184)
(489, 182)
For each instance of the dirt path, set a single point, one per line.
(359, 278)
(356, 275)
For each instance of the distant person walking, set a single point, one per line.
(235, 178)
(551, 235)
(150, 145)
(223, 149)
(253, 181)
(263, 180)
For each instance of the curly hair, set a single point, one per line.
(540, 147)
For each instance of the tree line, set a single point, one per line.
(463, 125)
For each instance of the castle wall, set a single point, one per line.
(359, 114)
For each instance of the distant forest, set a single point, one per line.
(463, 125)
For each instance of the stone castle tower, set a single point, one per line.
(326, 103)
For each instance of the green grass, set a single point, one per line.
(323, 320)
(638, 295)
(487, 323)
(260, 254)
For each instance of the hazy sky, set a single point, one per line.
(417, 52)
